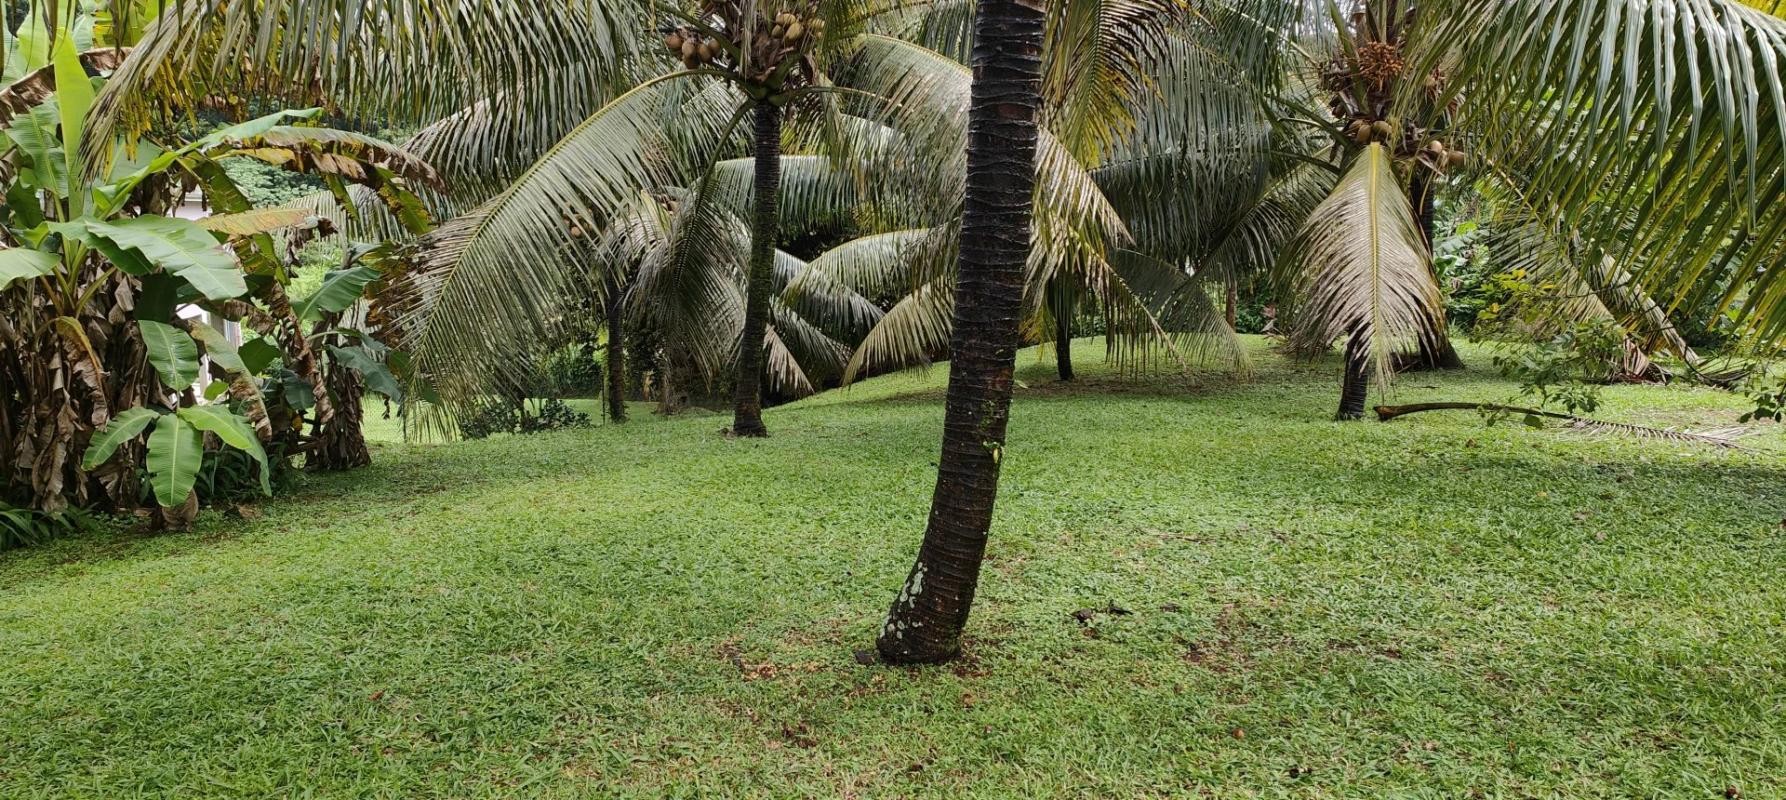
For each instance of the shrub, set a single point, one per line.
(24, 527)
(513, 417)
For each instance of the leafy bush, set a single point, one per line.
(512, 417)
(24, 527)
(573, 371)
(1471, 282)
(1768, 393)
(1567, 370)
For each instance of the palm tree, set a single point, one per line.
(926, 620)
(1127, 192)
(1638, 152)
(614, 309)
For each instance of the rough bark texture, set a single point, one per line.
(1436, 352)
(1355, 388)
(927, 618)
(747, 416)
(616, 389)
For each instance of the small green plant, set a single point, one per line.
(1566, 371)
(504, 416)
(27, 527)
(574, 371)
(1769, 396)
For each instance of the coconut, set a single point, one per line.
(1383, 129)
(794, 32)
(689, 48)
(673, 42)
(1457, 158)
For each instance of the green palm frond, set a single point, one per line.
(1655, 130)
(397, 61)
(912, 333)
(1589, 283)
(1098, 55)
(499, 277)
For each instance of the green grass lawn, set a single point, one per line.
(1426, 608)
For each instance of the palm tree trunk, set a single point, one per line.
(747, 416)
(1231, 303)
(927, 618)
(616, 355)
(1355, 388)
(1063, 348)
(1436, 351)
(1063, 337)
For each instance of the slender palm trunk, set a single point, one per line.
(616, 389)
(1063, 348)
(1231, 303)
(1436, 353)
(1063, 336)
(927, 618)
(747, 416)
(1355, 388)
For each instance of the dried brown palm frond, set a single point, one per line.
(1360, 269)
(1717, 437)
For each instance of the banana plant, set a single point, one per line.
(93, 266)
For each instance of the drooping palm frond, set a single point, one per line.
(1098, 58)
(1077, 227)
(1654, 130)
(1588, 283)
(1717, 437)
(1178, 300)
(816, 192)
(1360, 267)
(499, 277)
(396, 61)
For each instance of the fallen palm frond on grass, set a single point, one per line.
(1721, 437)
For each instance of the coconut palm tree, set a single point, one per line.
(1636, 140)
(926, 620)
(1131, 90)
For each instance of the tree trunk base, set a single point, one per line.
(748, 429)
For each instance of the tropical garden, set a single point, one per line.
(1337, 398)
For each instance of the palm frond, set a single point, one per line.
(1657, 130)
(396, 61)
(1360, 265)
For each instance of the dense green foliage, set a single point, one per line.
(1421, 608)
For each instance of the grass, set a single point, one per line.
(1427, 608)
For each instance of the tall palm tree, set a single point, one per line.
(547, 114)
(926, 620)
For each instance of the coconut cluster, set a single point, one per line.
(1362, 96)
(758, 53)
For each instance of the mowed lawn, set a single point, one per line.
(1284, 606)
